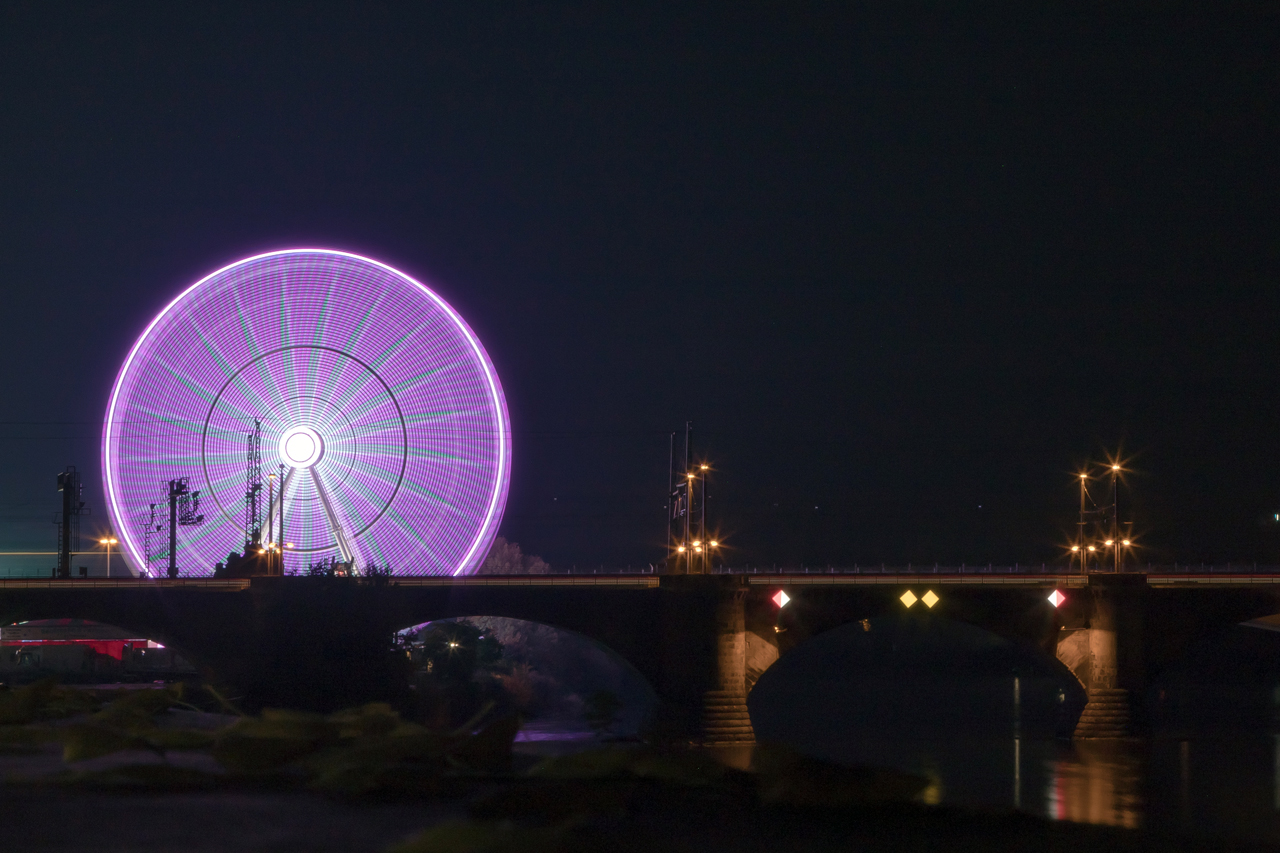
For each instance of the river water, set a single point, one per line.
(1217, 785)
(1227, 784)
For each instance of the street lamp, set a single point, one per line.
(108, 541)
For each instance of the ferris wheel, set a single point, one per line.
(311, 398)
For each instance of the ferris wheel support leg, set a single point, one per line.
(348, 553)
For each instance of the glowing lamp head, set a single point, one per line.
(1091, 548)
(1108, 543)
(1056, 598)
(780, 598)
(1125, 543)
(1075, 547)
(680, 549)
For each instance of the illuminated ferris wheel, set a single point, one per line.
(378, 422)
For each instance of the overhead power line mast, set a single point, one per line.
(253, 491)
(68, 520)
(184, 511)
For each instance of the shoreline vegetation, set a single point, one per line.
(478, 795)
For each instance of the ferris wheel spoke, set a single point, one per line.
(348, 554)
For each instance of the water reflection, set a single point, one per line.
(1096, 782)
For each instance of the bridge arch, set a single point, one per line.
(562, 670)
(913, 670)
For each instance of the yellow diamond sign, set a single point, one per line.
(929, 599)
(908, 598)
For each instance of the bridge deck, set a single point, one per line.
(648, 581)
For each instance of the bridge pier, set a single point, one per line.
(1114, 674)
(725, 718)
(701, 684)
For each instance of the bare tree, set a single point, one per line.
(506, 558)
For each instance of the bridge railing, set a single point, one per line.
(938, 569)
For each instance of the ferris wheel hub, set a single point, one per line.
(301, 447)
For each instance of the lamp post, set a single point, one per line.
(1079, 546)
(1115, 512)
(108, 541)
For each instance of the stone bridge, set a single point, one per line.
(700, 641)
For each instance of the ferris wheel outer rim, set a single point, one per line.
(502, 474)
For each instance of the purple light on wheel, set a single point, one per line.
(374, 395)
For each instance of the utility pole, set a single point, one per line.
(671, 476)
(148, 530)
(280, 529)
(688, 509)
(69, 519)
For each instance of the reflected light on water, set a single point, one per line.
(1099, 783)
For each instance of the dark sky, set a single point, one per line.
(905, 271)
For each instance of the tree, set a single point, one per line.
(453, 652)
(506, 558)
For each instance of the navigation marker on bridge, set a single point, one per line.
(908, 598)
(780, 598)
(1056, 598)
(929, 599)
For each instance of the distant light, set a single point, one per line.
(697, 542)
(680, 549)
(453, 645)
(288, 544)
(1125, 543)
(715, 544)
(1091, 548)
(1115, 467)
(1056, 598)
(1107, 543)
(1084, 476)
(908, 598)
(704, 467)
(780, 598)
(930, 599)
(698, 548)
(691, 476)
(1075, 547)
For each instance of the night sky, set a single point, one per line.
(904, 271)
